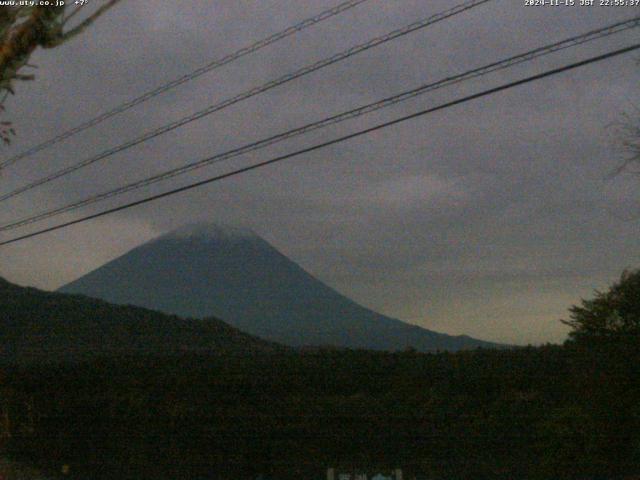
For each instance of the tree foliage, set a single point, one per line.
(500, 414)
(25, 28)
(613, 315)
(566, 412)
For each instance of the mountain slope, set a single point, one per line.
(235, 275)
(37, 325)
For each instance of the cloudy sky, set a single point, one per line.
(490, 218)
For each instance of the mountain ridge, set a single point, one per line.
(40, 326)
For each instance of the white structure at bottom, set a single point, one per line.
(337, 474)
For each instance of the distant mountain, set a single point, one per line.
(233, 274)
(44, 326)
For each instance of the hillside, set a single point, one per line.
(37, 325)
(234, 274)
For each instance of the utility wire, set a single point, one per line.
(250, 93)
(369, 108)
(319, 146)
(185, 78)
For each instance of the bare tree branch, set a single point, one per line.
(78, 29)
(627, 132)
(25, 28)
(72, 14)
(22, 39)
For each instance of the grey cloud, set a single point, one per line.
(490, 218)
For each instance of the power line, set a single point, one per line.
(369, 108)
(319, 146)
(186, 78)
(251, 93)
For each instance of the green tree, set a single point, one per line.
(613, 315)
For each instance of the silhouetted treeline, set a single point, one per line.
(547, 412)
(38, 326)
(247, 408)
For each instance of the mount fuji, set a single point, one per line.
(233, 274)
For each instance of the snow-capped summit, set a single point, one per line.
(211, 230)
